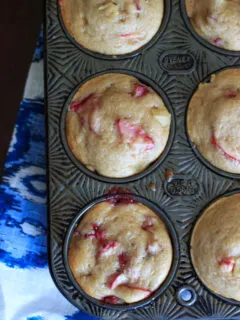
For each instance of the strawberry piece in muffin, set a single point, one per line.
(226, 264)
(140, 91)
(132, 133)
(219, 147)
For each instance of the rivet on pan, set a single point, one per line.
(186, 296)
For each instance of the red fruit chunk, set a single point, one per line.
(217, 145)
(111, 300)
(131, 133)
(129, 35)
(227, 264)
(147, 223)
(218, 42)
(140, 90)
(106, 246)
(96, 234)
(112, 281)
(148, 292)
(231, 94)
(120, 196)
(78, 105)
(123, 260)
(116, 280)
(60, 2)
(137, 4)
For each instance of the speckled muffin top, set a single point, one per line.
(120, 253)
(117, 126)
(215, 247)
(214, 120)
(218, 21)
(112, 26)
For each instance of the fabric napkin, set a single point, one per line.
(26, 288)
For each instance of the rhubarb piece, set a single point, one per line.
(132, 293)
(123, 260)
(137, 4)
(140, 91)
(91, 102)
(218, 42)
(147, 223)
(111, 300)
(78, 105)
(231, 94)
(226, 264)
(131, 35)
(107, 247)
(154, 248)
(131, 133)
(218, 146)
(147, 292)
(96, 234)
(116, 279)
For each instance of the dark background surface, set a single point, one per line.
(20, 23)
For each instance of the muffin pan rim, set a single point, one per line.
(199, 155)
(199, 38)
(162, 214)
(116, 57)
(153, 166)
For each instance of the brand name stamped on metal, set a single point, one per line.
(182, 186)
(177, 62)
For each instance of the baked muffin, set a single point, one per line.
(215, 247)
(112, 27)
(117, 126)
(120, 253)
(217, 21)
(214, 120)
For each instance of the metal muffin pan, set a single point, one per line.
(174, 64)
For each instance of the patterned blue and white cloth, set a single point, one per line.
(27, 291)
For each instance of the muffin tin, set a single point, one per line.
(178, 186)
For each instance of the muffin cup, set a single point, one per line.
(156, 37)
(194, 147)
(172, 234)
(200, 39)
(228, 300)
(152, 166)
